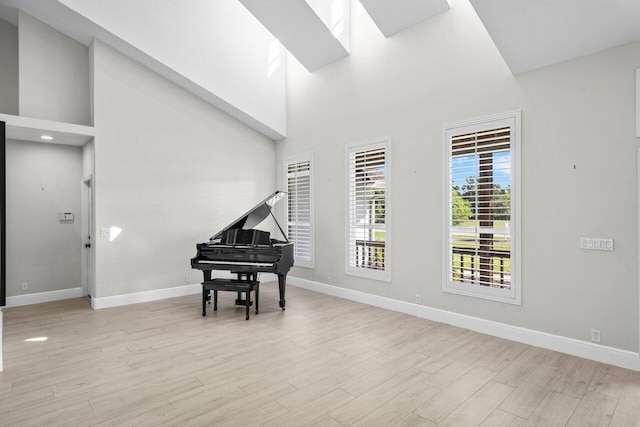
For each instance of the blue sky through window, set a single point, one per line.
(464, 166)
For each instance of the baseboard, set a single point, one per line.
(158, 294)
(146, 296)
(41, 297)
(599, 353)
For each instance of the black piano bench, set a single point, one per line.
(233, 285)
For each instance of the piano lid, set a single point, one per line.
(255, 216)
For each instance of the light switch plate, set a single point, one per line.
(596, 244)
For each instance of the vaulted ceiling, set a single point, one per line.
(531, 34)
(317, 32)
(176, 42)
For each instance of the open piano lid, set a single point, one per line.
(255, 216)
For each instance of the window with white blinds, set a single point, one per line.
(482, 212)
(299, 185)
(368, 185)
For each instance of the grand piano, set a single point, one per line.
(245, 251)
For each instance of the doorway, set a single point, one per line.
(87, 245)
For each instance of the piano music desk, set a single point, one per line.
(234, 285)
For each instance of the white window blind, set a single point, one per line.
(367, 209)
(482, 210)
(300, 209)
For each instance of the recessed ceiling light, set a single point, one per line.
(46, 137)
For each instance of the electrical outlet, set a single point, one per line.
(187, 278)
(418, 299)
(25, 286)
(330, 279)
(595, 335)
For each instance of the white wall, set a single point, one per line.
(170, 171)
(215, 49)
(42, 180)
(54, 74)
(88, 158)
(8, 68)
(447, 69)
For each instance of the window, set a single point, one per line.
(482, 210)
(299, 185)
(368, 234)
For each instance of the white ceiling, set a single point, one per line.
(34, 135)
(531, 34)
(29, 129)
(394, 16)
(214, 49)
(300, 29)
(317, 33)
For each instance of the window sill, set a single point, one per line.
(475, 291)
(383, 276)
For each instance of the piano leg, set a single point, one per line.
(246, 306)
(282, 284)
(207, 277)
(257, 293)
(204, 301)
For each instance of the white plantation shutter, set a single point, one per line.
(299, 209)
(482, 209)
(367, 209)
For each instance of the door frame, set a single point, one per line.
(86, 235)
(3, 230)
(3, 218)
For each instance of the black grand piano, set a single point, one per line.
(245, 251)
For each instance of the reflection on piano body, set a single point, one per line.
(241, 249)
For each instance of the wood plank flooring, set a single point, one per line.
(322, 362)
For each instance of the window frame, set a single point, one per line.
(301, 158)
(362, 146)
(514, 294)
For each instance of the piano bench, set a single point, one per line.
(233, 285)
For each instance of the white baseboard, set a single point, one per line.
(41, 297)
(600, 353)
(158, 294)
(146, 296)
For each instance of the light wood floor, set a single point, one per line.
(322, 362)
